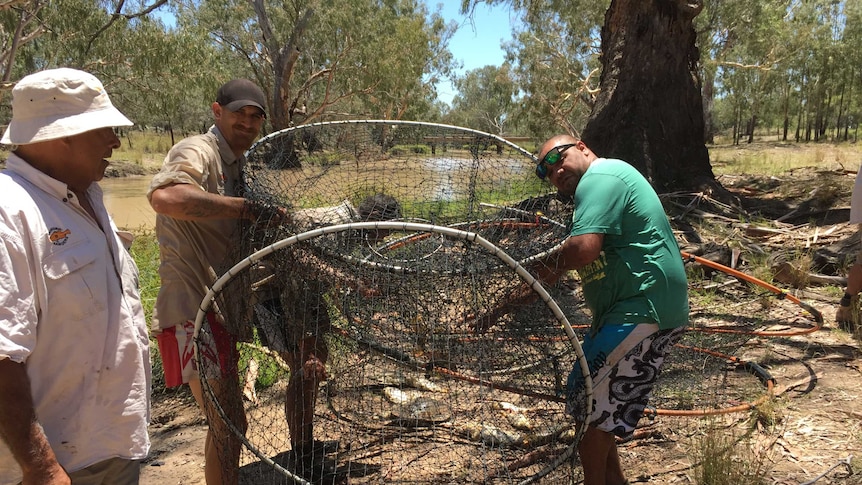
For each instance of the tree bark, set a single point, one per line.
(649, 111)
(283, 58)
(708, 95)
(752, 123)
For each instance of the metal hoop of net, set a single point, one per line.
(412, 171)
(404, 237)
(418, 393)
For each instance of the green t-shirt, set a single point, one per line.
(639, 276)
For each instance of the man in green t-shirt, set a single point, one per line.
(634, 283)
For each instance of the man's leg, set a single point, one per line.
(844, 313)
(599, 458)
(618, 356)
(614, 474)
(222, 447)
(307, 370)
(293, 403)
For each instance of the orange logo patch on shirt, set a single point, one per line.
(58, 236)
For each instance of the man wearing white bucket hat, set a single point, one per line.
(74, 348)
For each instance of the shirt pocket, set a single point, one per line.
(75, 289)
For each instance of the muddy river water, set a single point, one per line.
(126, 200)
(125, 197)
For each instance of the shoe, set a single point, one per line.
(319, 447)
(844, 318)
(316, 468)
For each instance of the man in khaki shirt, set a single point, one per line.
(195, 197)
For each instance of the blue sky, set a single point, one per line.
(475, 44)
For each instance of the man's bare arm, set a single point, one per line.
(575, 253)
(188, 202)
(20, 430)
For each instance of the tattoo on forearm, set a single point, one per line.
(203, 209)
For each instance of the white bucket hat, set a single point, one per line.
(57, 103)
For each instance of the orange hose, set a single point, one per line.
(764, 376)
(768, 381)
(818, 317)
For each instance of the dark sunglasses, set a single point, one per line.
(551, 158)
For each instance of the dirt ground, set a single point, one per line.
(814, 430)
(819, 433)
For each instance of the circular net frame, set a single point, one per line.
(422, 386)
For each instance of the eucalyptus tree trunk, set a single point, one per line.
(708, 95)
(649, 111)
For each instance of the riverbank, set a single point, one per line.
(116, 169)
(122, 168)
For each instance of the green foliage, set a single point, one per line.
(269, 369)
(142, 147)
(771, 62)
(485, 100)
(325, 63)
(790, 66)
(555, 59)
(323, 159)
(405, 149)
(145, 252)
(723, 458)
(768, 413)
(782, 64)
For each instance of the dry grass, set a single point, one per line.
(773, 158)
(146, 149)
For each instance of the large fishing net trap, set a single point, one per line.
(403, 237)
(405, 242)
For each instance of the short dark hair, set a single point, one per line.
(379, 207)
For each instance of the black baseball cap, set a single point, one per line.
(237, 93)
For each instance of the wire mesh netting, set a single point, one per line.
(403, 242)
(721, 364)
(411, 238)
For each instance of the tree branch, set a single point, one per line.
(10, 4)
(118, 12)
(759, 67)
(28, 12)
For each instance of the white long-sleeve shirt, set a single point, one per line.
(70, 310)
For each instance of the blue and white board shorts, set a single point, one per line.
(625, 362)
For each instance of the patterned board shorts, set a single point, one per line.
(624, 361)
(177, 349)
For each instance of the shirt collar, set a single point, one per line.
(224, 149)
(19, 166)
